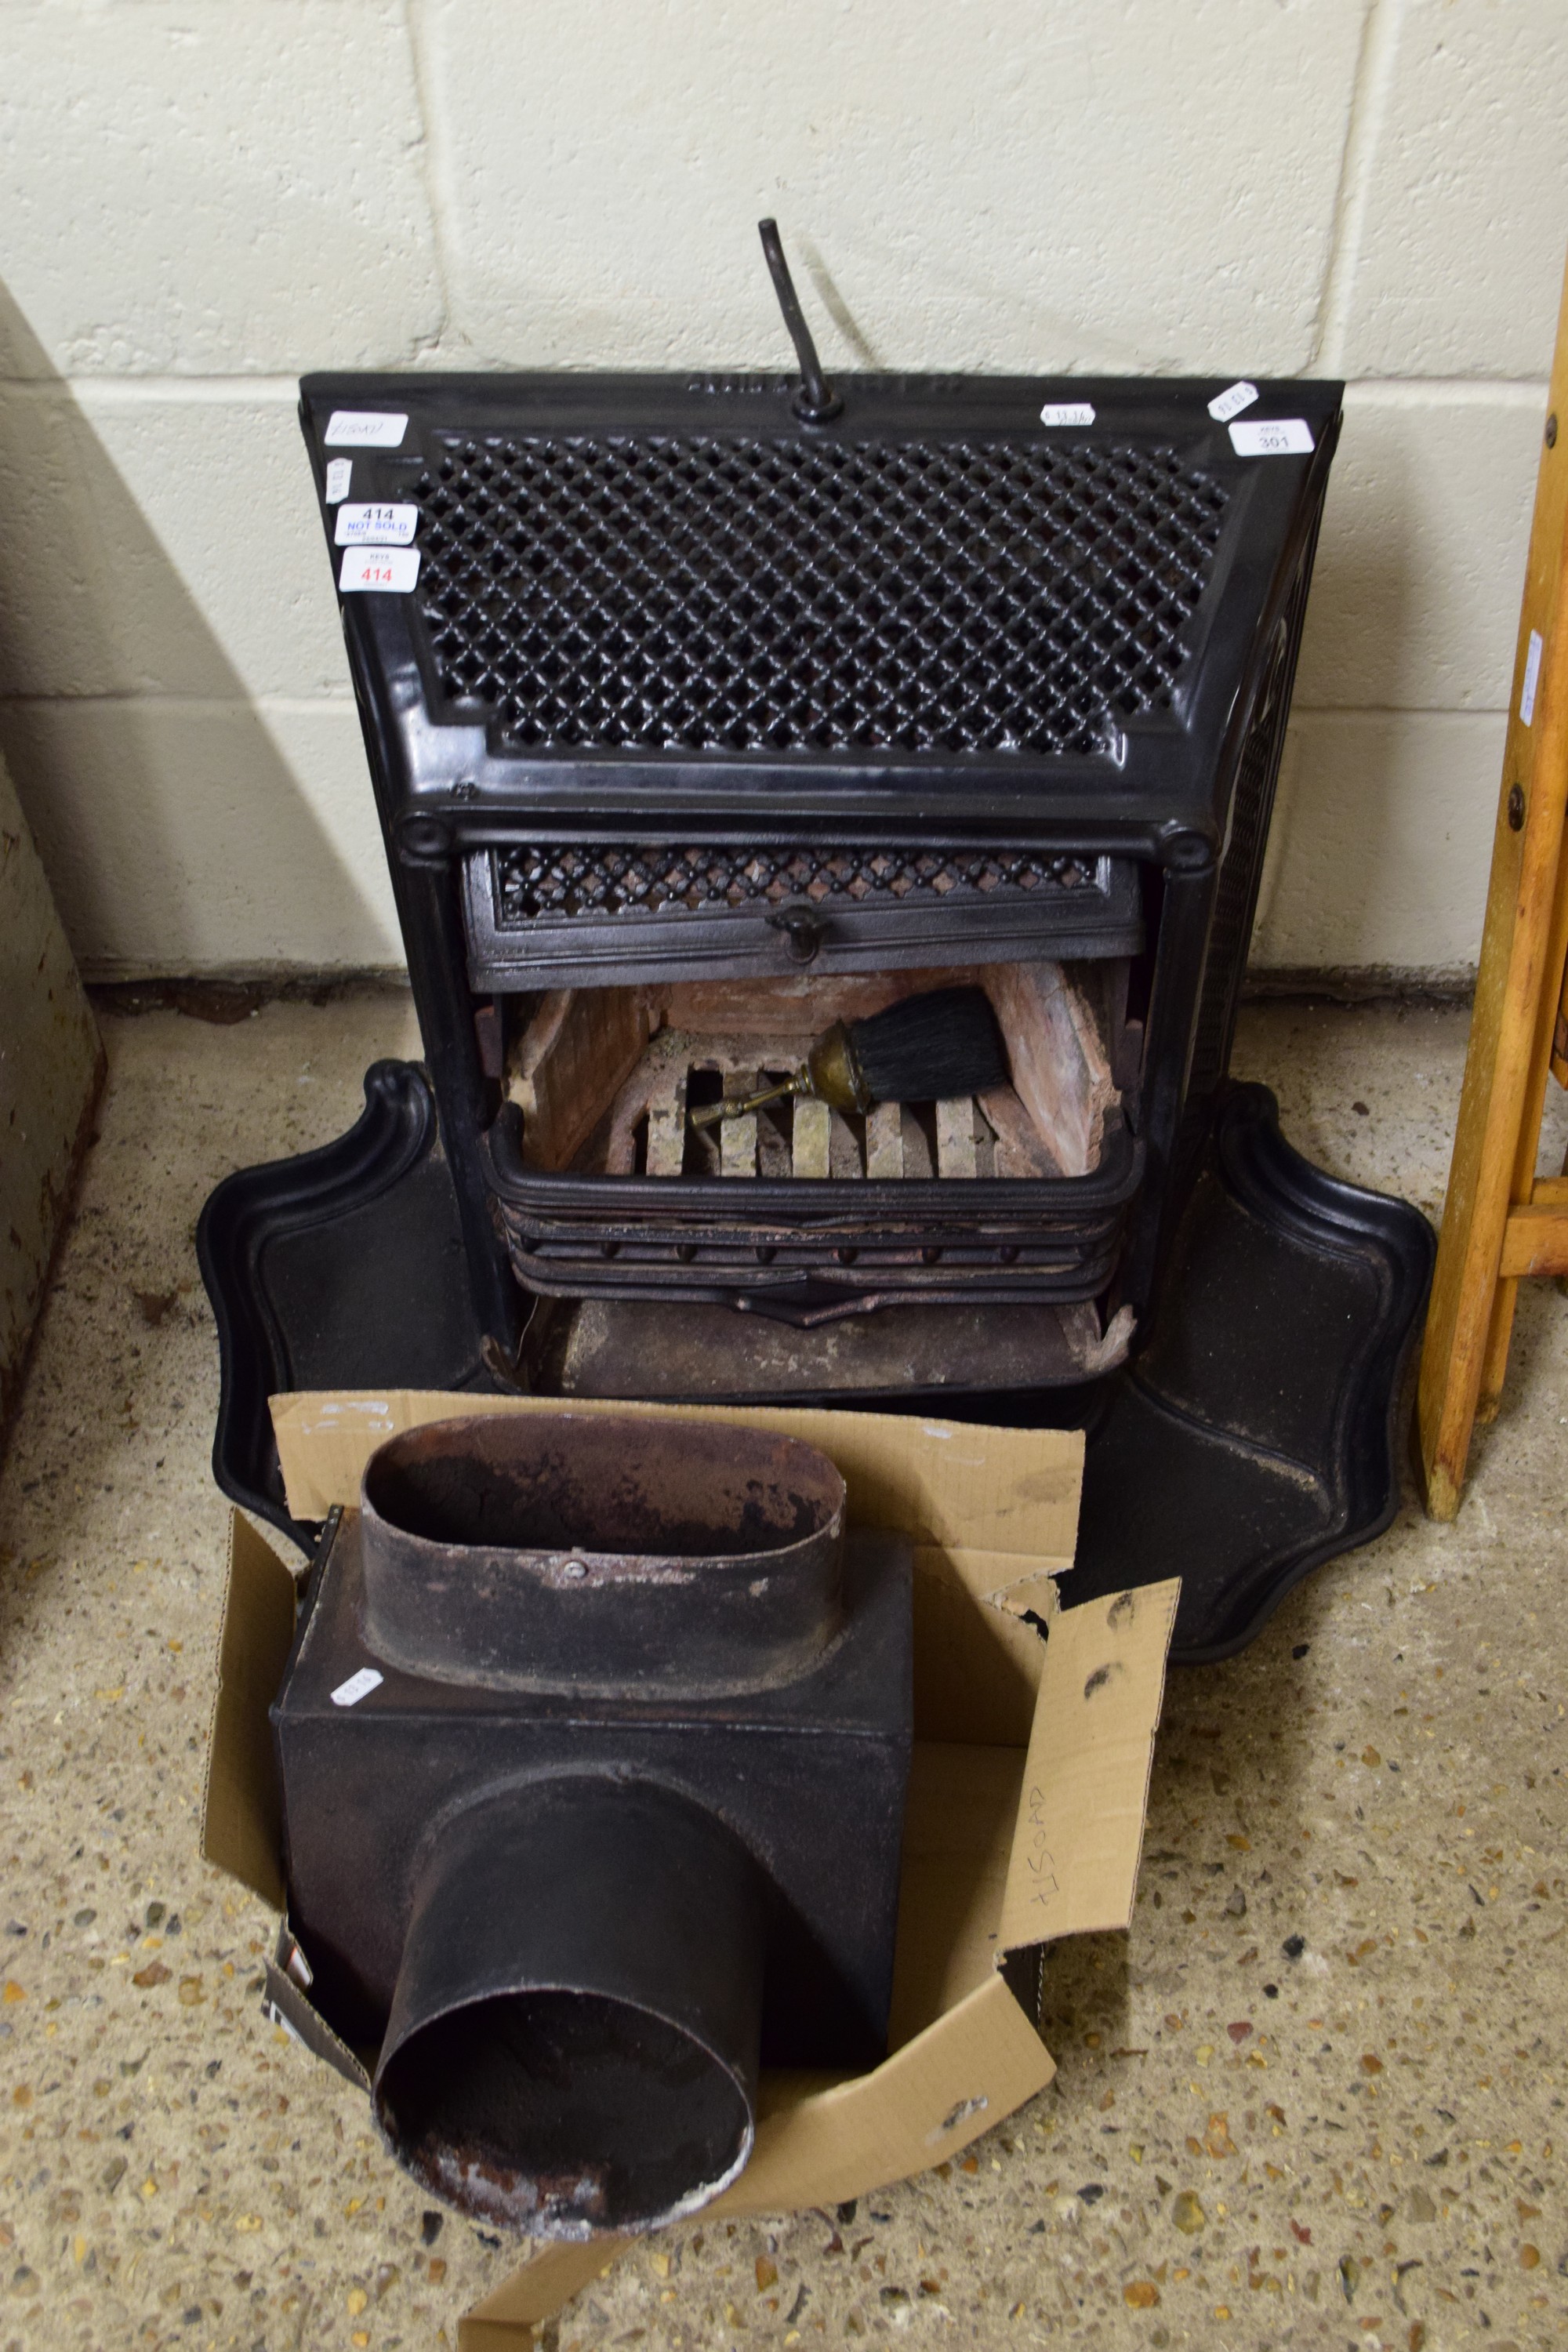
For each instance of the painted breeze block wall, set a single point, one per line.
(198, 203)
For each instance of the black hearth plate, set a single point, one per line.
(1257, 1435)
(1253, 1438)
(341, 1268)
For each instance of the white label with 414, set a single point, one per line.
(364, 525)
(385, 570)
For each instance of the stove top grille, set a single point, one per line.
(684, 594)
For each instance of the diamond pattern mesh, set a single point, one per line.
(628, 880)
(682, 594)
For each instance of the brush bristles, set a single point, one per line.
(931, 1047)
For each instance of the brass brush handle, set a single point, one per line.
(830, 1072)
(711, 1113)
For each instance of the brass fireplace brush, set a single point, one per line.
(923, 1050)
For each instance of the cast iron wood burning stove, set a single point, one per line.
(704, 710)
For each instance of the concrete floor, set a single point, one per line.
(1315, 2098)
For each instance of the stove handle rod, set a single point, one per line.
(816, 400)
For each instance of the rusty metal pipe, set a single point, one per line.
(601, 1553)
(572, 2046)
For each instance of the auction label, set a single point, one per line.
(1227, 404)
(357, 1687)
(1272, 437)
(364, 428)
(376, 526)
(388, 570)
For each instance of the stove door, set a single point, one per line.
(555, 914)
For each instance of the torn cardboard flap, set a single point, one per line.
(1062, 1859)
(1026, 1791)
(242, 1826)
(1074, 1864)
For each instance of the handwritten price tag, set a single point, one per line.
(340, 474)
(1040, 1861)
(1067, 412)
(364, 428)
(385, 570)
(1272, 437)
(376, 526)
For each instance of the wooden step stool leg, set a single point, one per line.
(1464, 1353)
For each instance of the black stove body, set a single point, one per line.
(676, 704)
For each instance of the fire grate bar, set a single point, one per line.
(802, 1140)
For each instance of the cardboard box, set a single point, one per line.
(1027, 1796)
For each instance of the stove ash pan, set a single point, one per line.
(618, 1820)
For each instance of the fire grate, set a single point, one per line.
(686, 593)
(989, 1135)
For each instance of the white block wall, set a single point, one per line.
(199, 202)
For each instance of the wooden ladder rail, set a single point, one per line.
(1500, 1223)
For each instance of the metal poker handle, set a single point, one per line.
(816, 401)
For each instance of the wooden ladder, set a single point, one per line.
(1503, 1223)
